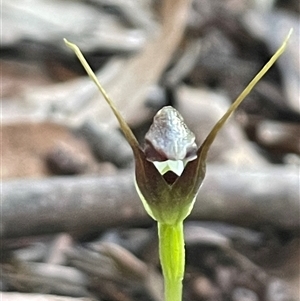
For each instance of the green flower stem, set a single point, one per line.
(172, 258)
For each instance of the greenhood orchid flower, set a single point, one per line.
(169, 171)
(168, 180)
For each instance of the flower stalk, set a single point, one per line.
(172, 258)
(167, 194)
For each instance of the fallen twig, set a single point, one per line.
(65, 204)
(37, 297)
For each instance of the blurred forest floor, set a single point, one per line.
(72, 225)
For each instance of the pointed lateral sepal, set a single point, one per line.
(202, 152)
(194, 171)
(151, 186)
(124, 126)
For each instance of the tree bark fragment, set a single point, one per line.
(88, 204)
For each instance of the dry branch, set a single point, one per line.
(37, 297)
(126, 80)
(130, 86)
(249, 198)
